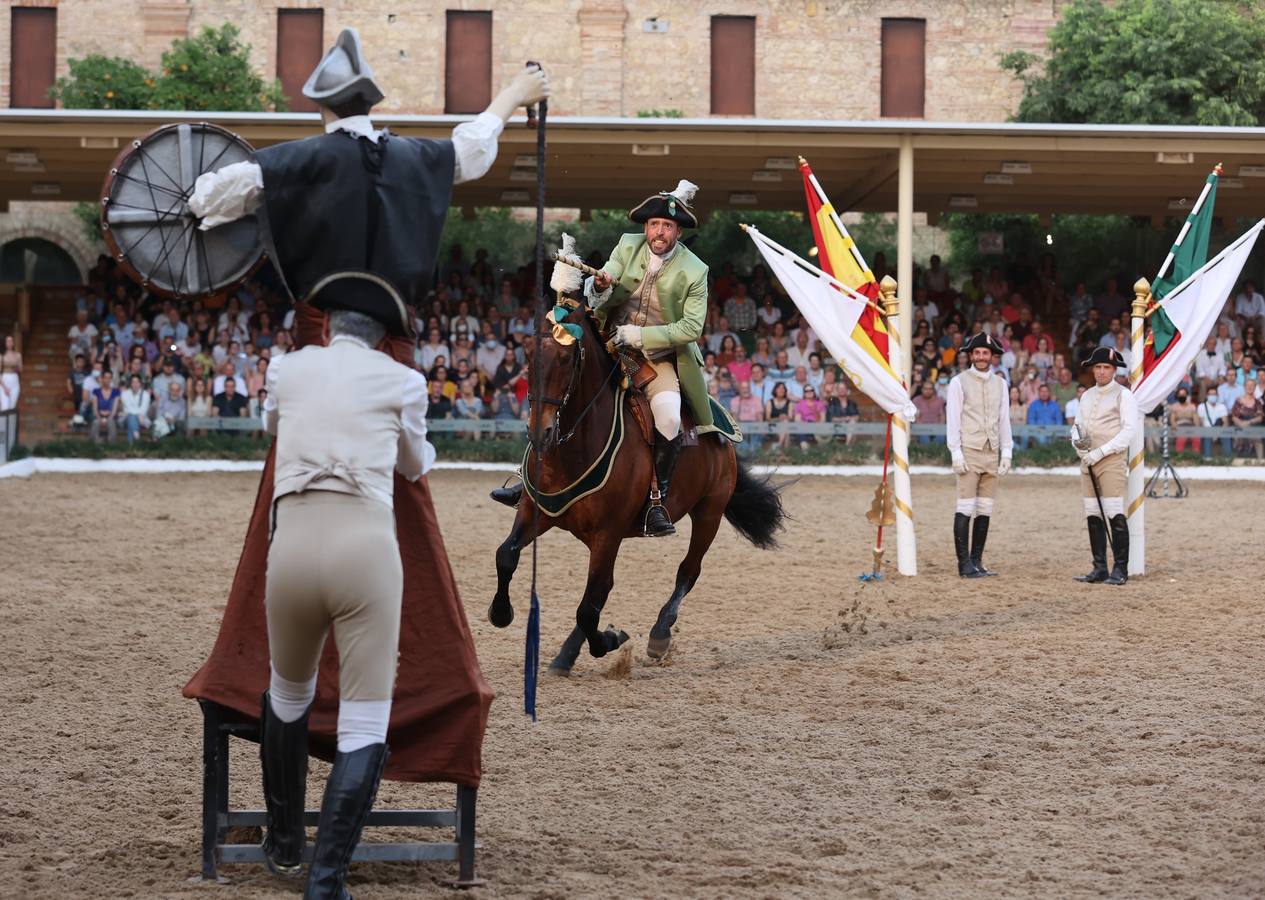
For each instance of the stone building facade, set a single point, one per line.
(816, 59)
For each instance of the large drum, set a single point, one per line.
(145, 216)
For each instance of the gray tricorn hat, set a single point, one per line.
(343, 74)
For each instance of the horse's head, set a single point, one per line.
(553, 373)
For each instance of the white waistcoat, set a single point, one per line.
(339, 421)
(1100, 412)
(981, 401)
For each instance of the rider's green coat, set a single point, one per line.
(682, 287)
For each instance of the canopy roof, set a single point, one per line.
(597, 163)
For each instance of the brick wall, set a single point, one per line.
(817, 58)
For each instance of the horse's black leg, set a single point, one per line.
(501, 612)
(601, 579)
(570, 651)
(705, 521)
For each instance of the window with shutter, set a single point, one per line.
(468, 62)
(300, 45)
(32, 56)
(904, 68)
(733, 65)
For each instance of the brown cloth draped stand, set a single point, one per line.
(441, 703)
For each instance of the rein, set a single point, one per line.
(577, 368)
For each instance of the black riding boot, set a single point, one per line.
(665, 455)
(1119, 550)
(979, 535)
(283, 752)
(508, 495)
(349, 795)
(962, 544)
(1098, 547)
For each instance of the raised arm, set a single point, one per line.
(474, 143)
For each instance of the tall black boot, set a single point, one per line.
(349, 795)
(962, 544)
(979, 535)
(508, 495)
(1097, 547)
(1119, 550)
(665, 455)
(283, 753)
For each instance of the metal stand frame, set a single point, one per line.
(219, 724)
(1166, 470)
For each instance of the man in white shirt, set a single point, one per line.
(1105, 424)
(798, 354)
(1250, 304)
(977, 431)
(1209, 364)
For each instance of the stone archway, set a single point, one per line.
(54, 222)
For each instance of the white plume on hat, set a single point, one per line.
(566, 278)
(685, 191)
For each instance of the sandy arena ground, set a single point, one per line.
(809, 736)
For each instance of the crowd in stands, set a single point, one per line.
(141, 364)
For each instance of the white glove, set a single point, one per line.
(959, 463)
(628, 336)
(1004, 466)
(1093, 456)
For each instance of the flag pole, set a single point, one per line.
(1194, 211)
(906, 552)
(1137, 453)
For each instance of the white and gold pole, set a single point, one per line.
(1136, 508)
(906, 550)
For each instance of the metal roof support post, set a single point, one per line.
(905, 248)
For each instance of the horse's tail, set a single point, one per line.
(755, 509)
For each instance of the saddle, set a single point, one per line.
(638, 373)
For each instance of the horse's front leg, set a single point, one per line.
(527, 527)
(601, 579)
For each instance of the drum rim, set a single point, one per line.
(112, 244)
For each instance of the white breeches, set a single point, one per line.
(10, 390)
(666, 407)
(360, 722)
(975, 506)
(1112, 506)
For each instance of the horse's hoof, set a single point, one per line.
(615, 639)
(500, 614)
(657, 648)
(558, 671)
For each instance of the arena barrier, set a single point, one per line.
(220, 723)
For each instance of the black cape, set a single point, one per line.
(336, 202)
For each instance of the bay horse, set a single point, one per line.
(571, 426)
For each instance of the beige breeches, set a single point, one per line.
(1113, 477)
(334, 561)
(980, 479)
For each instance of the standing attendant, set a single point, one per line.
(10, 375)
(977, 424)
(1108, 419)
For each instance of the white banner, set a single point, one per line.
(1193, 306)
(832, 309)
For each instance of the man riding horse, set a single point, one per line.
(652, 293)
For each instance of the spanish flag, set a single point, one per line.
(837, 255)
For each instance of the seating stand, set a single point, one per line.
(220, 723)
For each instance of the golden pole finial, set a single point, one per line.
(887, 295)
(1141, 297)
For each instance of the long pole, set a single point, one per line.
(1136, 510)
(531, 656)
(906, 551)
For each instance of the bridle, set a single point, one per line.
(577, 367)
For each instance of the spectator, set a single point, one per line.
(798, 355)
(167, 376)
(937, 281)
(1248, 412)
(816, 374)
(795, 387)
(1018, 409)
(229, 373)
(82, 335)
(1213, 414)
(439, 406)
(468, 406)
(740, 310)
(781, 370)
(77, 385)
(228, 402)
(931, 409)
(505, 406)
(257, 402)
(809, 409)
(840, 407)
(779, 340)
(1250, 305)
(1230, 390)
(134, 408)
(1114, 330)
(490, 353)
(1045, 410)
(768, 313)
(1078, 307)
(779, 409)
(725, 355)
(10, 374)
(172, 410)
(257, 377)
(746, 406)
(1030, 385)
(761, 385)
(740, 366)
(1073, 407)
(90, 303)
(717, 338)
(1111, 304)
(106, 399)
(1182, 413)
(1063, 389)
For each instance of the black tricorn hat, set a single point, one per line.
(1109, 355)
(985, 340)
(365, 293)
(674, 205)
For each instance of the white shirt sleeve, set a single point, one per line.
(953, 417)
(227, 194)
(1130, 422)
(270, 414)
(1003, 422)
(475, 146)
(416, 455)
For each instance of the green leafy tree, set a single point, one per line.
(212, 71)
(1159, 62)
(104, 82)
